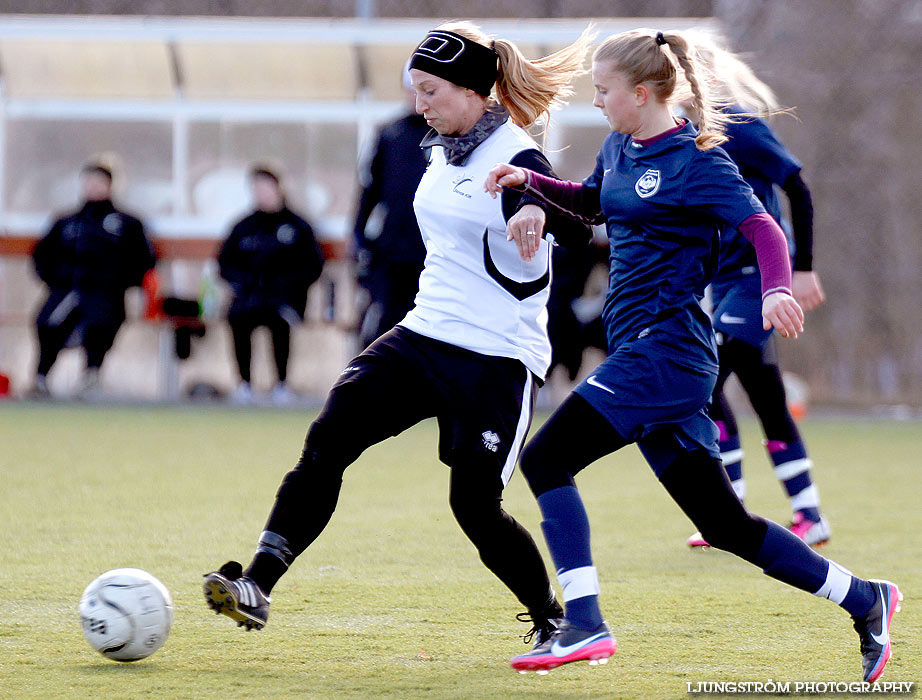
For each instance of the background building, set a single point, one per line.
(189, 93)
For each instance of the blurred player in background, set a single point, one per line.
(389, 249)
(473, 350)
(572, 267)
(270, 259)
(744, 347)
(88, 259)
(664, 191)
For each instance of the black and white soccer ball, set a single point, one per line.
(126, 614)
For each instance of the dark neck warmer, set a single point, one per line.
(458, 148)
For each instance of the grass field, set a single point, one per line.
(392, 601)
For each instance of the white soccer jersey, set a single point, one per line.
(475, 291)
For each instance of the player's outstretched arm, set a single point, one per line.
(503, 175)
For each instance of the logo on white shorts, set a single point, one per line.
(648, 184)
(490, 440)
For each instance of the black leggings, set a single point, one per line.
(242, 327)
(344, 429)
(760, 376)
(309, 493)
(577, 435)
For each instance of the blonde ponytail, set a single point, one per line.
(530, 89)
(712, 123)
(732, 81)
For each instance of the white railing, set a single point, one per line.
(363, 112)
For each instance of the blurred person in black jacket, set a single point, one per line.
(270, 259)
(389, 250)
(572, 267)
(88, 259)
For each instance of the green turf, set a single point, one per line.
(392, 601)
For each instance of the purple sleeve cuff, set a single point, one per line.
(771, 251)
(568, 198)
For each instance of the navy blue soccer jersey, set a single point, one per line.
(664, 205)
(764, 162)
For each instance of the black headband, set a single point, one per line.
(458, 60)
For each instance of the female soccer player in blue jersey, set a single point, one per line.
(745, 348)
(664, 192)
(473, 350)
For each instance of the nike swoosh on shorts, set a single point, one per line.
(728, 319)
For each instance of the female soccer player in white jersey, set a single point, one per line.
(664, 192)
(475, 347)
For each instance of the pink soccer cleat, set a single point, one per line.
(566, 645)
(813, 533)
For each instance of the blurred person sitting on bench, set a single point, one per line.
(270, 259)
(88, 259)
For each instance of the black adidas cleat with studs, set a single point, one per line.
(228, 592)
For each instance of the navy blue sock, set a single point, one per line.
(860, 597)
(792, 467)
(786, 557)
(731, 455)
(566, 530)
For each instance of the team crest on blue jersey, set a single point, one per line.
(648, 184)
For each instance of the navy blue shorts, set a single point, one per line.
(654, 391)
(738, 312)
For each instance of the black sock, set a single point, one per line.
(266, 570)
(272, 559)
